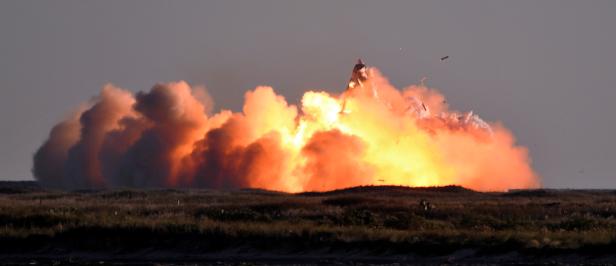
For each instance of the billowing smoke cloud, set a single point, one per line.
(50, 158)
(373, 134)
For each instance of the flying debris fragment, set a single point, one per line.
(444, 58)
(479, 123)
(423, 81)
(417, 108)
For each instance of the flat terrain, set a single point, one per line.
(369, 225)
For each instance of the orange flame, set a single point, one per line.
(372, 135)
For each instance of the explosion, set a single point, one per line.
(371, 134)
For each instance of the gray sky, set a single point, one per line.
(546, 69)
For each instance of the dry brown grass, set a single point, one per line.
(376, 219)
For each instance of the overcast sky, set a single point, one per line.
(546, 69)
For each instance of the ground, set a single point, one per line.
(361, 225)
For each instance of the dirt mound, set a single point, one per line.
(391, 190)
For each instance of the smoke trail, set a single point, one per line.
(372, 134)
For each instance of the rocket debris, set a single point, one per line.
(444, 58)
(360, 79)
(416, 108)
(358, 76)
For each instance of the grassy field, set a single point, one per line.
(384, 221)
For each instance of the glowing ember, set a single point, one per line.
(372, 134)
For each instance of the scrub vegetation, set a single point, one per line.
(373, 220)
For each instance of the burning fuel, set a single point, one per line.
(371, 134)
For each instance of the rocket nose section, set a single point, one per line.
(359, 65)
(359, 75)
